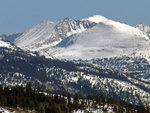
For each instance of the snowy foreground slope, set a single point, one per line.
(93, 37)
(2, 110)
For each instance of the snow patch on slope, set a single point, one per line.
(46, 46)
(2, 110)
(5, 44)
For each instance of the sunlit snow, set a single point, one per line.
(105, 39)
(5, 44)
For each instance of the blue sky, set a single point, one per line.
(20, 15)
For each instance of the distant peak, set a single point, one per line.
(96, 18)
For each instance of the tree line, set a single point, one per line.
(27, 98)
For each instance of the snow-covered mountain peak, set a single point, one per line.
(120, 26)
(96, 19)
(93, 37)
(101, 41)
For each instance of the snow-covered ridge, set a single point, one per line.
(120, 26)
(49, 33)
(68, 27)
(96, 19)
(144, 28)
(80, 30)
(35, 34)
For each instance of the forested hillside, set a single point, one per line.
(34, 100)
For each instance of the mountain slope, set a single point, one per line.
(144, 28)
(48, 34)
(19, 67)
(103, 41)
(87, 38)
